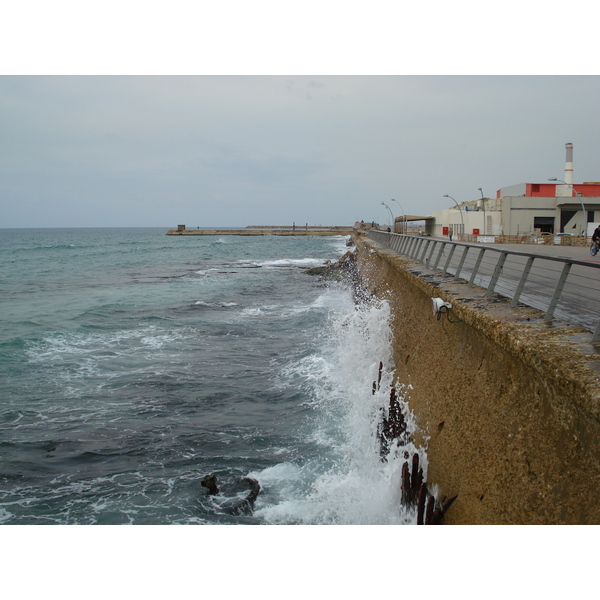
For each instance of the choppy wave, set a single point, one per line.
(223, 358)
(347, 482)
(61, 346)
(286, 263)
(216, 304)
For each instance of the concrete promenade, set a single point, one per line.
(579, 301)
(571, 252)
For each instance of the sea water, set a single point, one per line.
(133, 364)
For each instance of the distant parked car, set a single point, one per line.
(569, 234)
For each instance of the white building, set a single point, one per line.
(526, 209)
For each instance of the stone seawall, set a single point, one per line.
(508, 406)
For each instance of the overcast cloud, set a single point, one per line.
(82, 151)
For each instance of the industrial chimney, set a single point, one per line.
(569, 164)
(562, 190)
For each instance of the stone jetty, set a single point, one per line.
(266, 230)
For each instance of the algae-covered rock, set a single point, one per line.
(335, 270)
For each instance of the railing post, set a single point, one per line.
(417, 249)
(596, 336)
(557, 292)
(476, 267)
(439, 256)
(404, 244)
(522, 281)
(496, 275)
(424, 251)
(450, 254)
(430, 251)
(400, 243)
(462, 262)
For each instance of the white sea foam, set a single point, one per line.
(4, 515)
(319, 304)
(156, 341)
(338, 243)
(69, 358)
(55, 346)
(216, 304)
(285, 263)
(351, 484)
(205, 272)
(256, 311)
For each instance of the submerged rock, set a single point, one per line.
(234, 506)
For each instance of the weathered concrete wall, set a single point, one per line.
(507, 405)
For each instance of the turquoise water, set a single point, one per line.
(134, 363)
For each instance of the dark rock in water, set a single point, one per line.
(326, 271)
(234, 506)
(245, 506)
(210, 482)
(392, 429)
(335, 270)
(421, 499)
(414, 491)
(344, 269)
(429, 510)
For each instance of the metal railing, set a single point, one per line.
(564, 288)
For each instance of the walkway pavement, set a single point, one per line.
(572, 252)
(579, 300)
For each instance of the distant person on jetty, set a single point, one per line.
(450, 232)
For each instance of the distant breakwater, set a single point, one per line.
(270, 231)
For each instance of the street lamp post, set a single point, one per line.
(483, 204)
(459, 210)
(580, 196)
(403, 226)
(391, 213)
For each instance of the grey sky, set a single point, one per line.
(241, 150)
